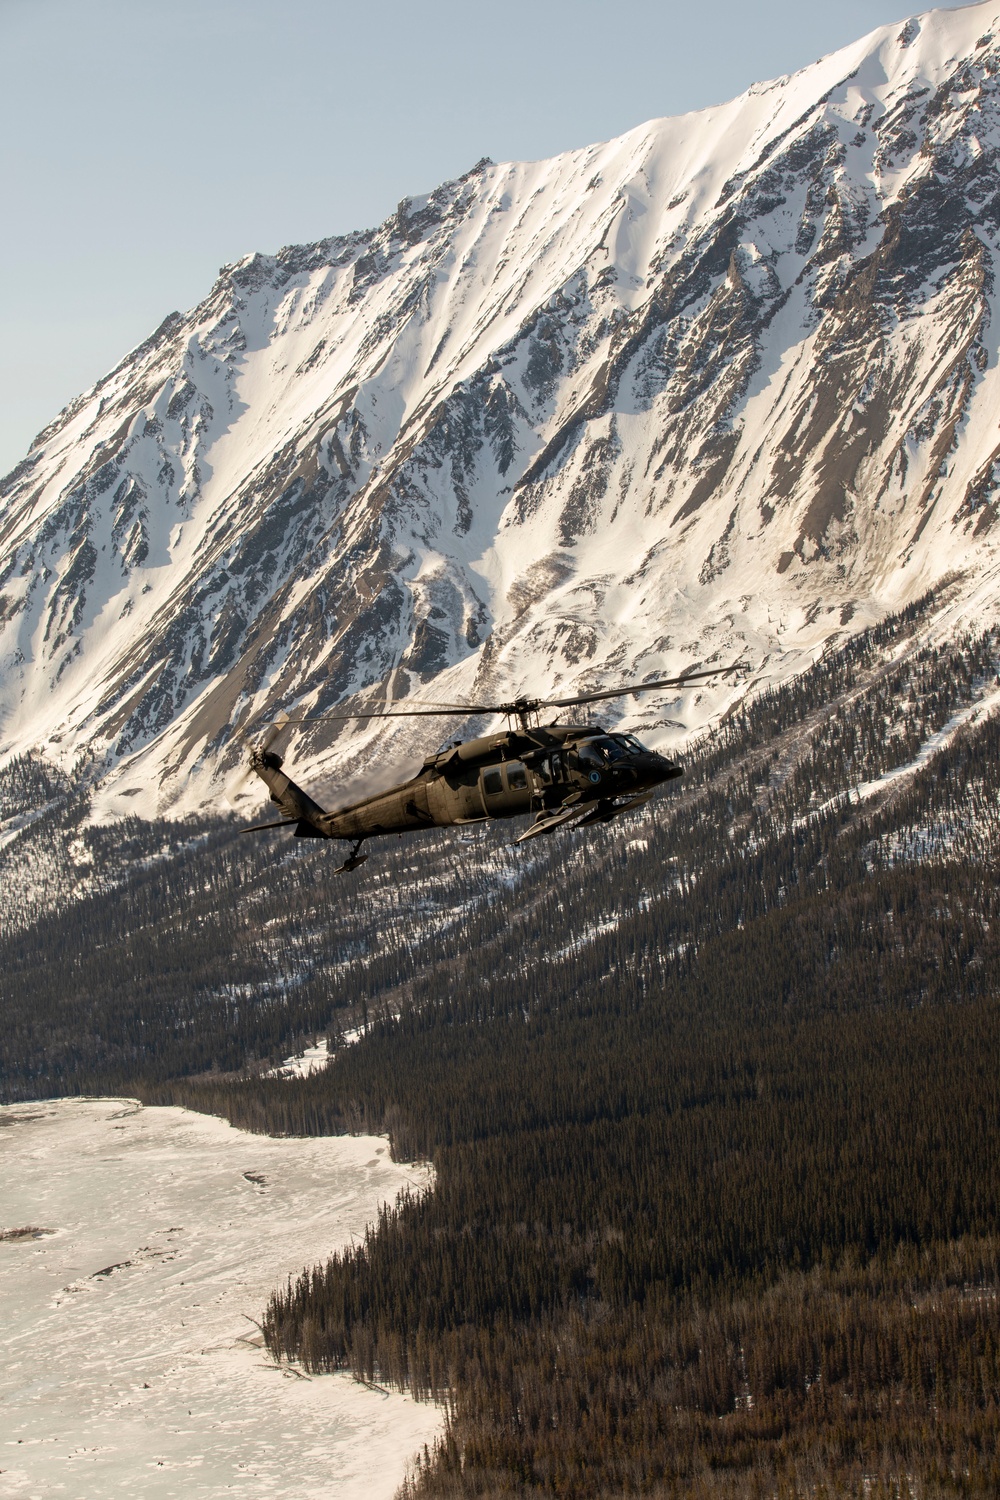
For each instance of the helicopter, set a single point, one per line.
(565, 774)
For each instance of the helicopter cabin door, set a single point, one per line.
(506, 789)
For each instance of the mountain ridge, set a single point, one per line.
(724, 384)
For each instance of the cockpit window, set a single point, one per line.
(603, 750)
(631, 742)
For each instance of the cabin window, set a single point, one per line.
(517, 777)
(492, 783)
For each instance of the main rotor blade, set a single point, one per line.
(642, 687)
(405, 713)
(517, 705)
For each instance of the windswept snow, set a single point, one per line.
(131, 1365)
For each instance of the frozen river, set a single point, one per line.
(129, 1364)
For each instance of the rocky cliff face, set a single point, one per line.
(729, 384)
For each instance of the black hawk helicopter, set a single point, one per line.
(563, 773)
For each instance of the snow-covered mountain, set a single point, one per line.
(727, 385)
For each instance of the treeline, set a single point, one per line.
(27, 784)
(774, 710)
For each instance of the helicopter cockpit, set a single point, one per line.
(607, 749)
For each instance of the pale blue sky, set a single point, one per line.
(147, 142)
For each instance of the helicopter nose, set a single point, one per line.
(657, 768)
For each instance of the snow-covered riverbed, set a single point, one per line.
(128, 1362)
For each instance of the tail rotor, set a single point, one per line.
(239, 790)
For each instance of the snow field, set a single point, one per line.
(132, 1365)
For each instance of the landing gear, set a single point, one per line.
(353, 859)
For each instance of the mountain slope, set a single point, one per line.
(727, 383)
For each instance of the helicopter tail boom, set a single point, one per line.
(295, 804)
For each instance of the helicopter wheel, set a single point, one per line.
(352, 861)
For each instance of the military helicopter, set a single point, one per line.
(564, 774)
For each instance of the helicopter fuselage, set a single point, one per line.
(556, 772)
